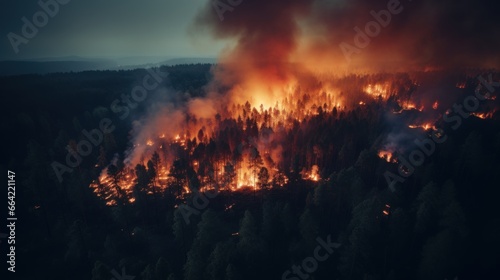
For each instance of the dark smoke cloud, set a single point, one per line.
(427, 33)
(266, 34)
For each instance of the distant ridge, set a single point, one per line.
(11, 68)
(173, 61)
(78, 64)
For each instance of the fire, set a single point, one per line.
(483, 115)
(265, 88)
(246, 177)
(387, 210)
(435, 106)
(425, 126)
(412, 106)
(238, 148)
(114, 188)
(312, 175)
(377, 90)
(386, 155)
(237, 145)
(251, 172)
(283, 103)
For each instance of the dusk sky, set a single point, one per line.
(178, 29)
(107, 29)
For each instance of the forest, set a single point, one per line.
(253, 192)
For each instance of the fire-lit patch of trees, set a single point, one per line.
(307, 133)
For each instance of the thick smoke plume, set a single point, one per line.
(423, 34)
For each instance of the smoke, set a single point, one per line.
(436, 34)
(264, 36)
(168, 118)
(271, 37)
(165, 121)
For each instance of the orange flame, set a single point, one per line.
(385, 155)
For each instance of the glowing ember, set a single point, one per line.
(412, 106)
(483, 115)
(425, 126)
(385, 155)
(312, 175)
(435, 106)
(387, 210)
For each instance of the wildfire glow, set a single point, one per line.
(425, 126)
(412, 106)
(435, 106)
(483, 115)
(112, 190)
(251, 160)
(312, 175)
(378, 90)
(271, 83)
(385, 155)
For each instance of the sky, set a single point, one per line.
(424, 32)
(106, 29)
